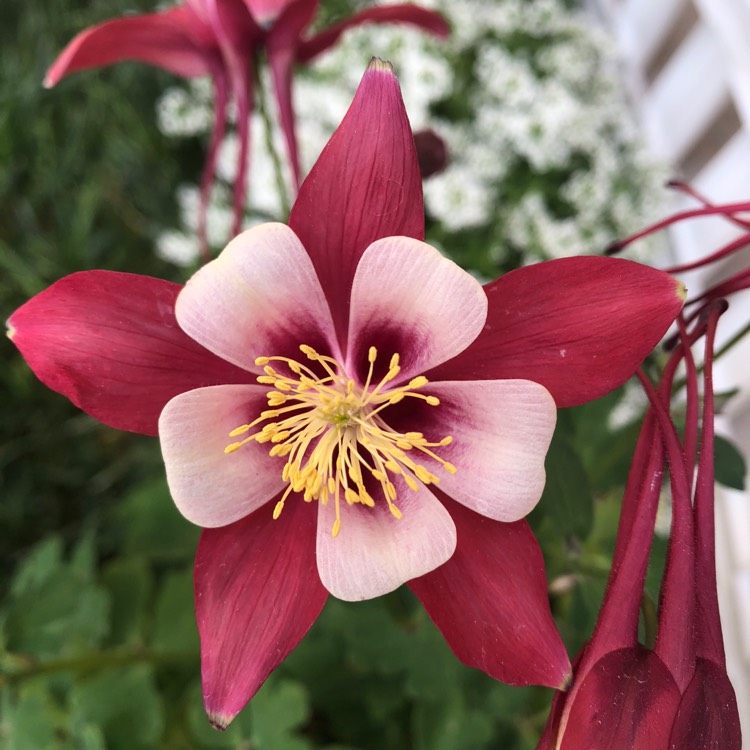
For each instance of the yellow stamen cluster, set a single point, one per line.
(331, 432)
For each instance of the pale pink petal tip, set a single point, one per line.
(219, 721)
(501, 432)
(374, 553)
(376, 65)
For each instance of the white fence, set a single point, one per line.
(686, 65)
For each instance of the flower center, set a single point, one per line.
(332, 434)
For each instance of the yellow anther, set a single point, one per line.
(411, 483)
(239, 430)
(334, 435)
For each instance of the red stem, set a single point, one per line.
(709, 643)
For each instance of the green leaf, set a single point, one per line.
(154, 526)
(124, 703)
(730, 468)
(38, 567)
(129, 582)
(567, 499)
(276, 712)
(174, 618)
(56, 608)
(28, 721)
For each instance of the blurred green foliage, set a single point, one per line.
(98, 644)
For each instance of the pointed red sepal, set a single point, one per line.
(365, 186)
(627, 700)
(426, 20)
(110, 343)
(579, 326)
(168, 40)
(490, 602)
(707, 716)
(257, 592)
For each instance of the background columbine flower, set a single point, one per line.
(222, 39)
(534, 82)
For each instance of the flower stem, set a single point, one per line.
(680, 384)
(15, 668)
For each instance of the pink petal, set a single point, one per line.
(490, 602)
(260, 297)
(169, 40)
(579, 326)
(209, 487)
(374, 553)
(365, 186)
(110, 343)
(256, 595)
(501, 431)
(627, 700)
(424, 19)
(707, 716)
(406, 295)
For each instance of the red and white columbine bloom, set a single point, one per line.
(392, 415)
(357, 428)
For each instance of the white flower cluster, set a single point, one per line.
(542, 151)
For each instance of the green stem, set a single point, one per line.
(16, 668)
(268, 127)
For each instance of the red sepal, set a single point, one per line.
(579, 326)
(110, 343)
(426, 20)
(257, 592)
(170, 40)
(365, 185)
(627, 700)
(490, 602)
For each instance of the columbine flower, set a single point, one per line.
(221, 39)
(348, 411)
